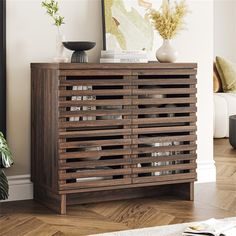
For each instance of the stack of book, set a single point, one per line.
(126, 56)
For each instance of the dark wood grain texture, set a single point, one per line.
(106, 127)
(44, 132)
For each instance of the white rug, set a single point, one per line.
(167, 230)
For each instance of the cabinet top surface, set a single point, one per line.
(113, 66)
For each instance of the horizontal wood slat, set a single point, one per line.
(94, 173)
(159, 101)
(164, 168)
(94, 163)
(169, 72)
(94, 72)
(95, 92)
(164, 91)
(170, 129)
(97, 123)
(111, 142)
(169, 120)
(89, 154)
(166, 81)
(95, 184)
(95, 82)
(182, 157)
(98, 112)
(172, 148)
(114, 102)
(97, 133)
(164, 139)
(163, 110)
(164, 178)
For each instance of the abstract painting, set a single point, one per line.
(126, 25)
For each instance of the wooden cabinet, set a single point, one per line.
(112, 131)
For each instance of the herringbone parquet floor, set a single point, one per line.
(211, 200)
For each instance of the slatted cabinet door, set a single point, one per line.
(164, 126)
(94, 131)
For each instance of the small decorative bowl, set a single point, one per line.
(79, 47)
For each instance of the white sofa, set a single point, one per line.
(224, 106)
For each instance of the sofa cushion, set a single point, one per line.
(227, 71)
(217, 84)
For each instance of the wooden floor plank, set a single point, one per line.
(45, 230)
(22, 227)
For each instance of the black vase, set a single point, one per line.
(79, 55)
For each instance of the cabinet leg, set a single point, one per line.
(191, 191)
(63, 205)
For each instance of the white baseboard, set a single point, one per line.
(206, 171)
(20, 188)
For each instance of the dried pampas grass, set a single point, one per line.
(169, 20)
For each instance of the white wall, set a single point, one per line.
(225, 29)
(31, 38)
(196, 44)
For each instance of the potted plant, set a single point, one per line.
(168, 21)
(52, 9)
(5, 162)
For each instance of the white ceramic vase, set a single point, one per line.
(166, 53)
(60, 50)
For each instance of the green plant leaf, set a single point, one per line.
(52, 9)
(5, 154)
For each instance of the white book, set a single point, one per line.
(212, 227)
(125, 56)
(105, 52)
(108, 60)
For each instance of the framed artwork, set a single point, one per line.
(3, 66)
(126, 25)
